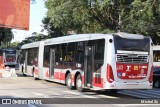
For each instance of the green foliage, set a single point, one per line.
(92, 16)
(6, 36)
(103, 16)
(13, 45)
(35, 37)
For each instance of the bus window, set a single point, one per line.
(21, 57)
(80, 56)
(33, 56)
(46, 56)
(98, 52)
(68, 52)
(156, 56)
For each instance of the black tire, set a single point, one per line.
(23, 71)
(69, 82)
(157, 84)
(35, 78)
(79, 83)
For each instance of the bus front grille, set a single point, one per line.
(132, 58)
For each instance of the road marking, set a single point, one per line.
(16, 95)
(105, 96)
(88, 96)
(129, 105)
(79, 94)
(30, 105)
(71, 92)
(38, 94)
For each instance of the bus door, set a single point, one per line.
(52, 63)
(25, 62)
(89, 65)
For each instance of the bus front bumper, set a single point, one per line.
(129, 85)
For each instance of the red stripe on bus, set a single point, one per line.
(36, 71)
(47, 74)
(82, 79)
(98, 82)
(58, 75)
(62, 76)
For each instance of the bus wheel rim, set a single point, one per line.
(79, 83)
(69, 82)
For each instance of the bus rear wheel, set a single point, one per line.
(34, 76)
(69, 82)
(79, 83)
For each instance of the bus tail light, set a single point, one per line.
(151, 75)
(110, 76)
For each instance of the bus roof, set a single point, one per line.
(80, 37)
(75, 38)
(31, 45)
(156, 47)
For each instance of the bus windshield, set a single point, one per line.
(10, 55)
(124, 44)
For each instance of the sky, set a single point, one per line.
(37, 13)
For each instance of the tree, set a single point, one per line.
(52, 31)
(13, 45)
(6, 36)
(104, 16)
(70, 15)
(144, 18)
(35, 37)
(86, 16)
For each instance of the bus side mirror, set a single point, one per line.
(110, 40)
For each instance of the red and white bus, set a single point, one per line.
(93, 61)
(8, 57)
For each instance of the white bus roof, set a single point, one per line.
(156, 47)
(31, 45)
(80, 37)
(75, 38)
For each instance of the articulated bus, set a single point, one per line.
(92, 61)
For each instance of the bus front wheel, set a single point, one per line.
(69, 81)
(23, 71)
(79, 83)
